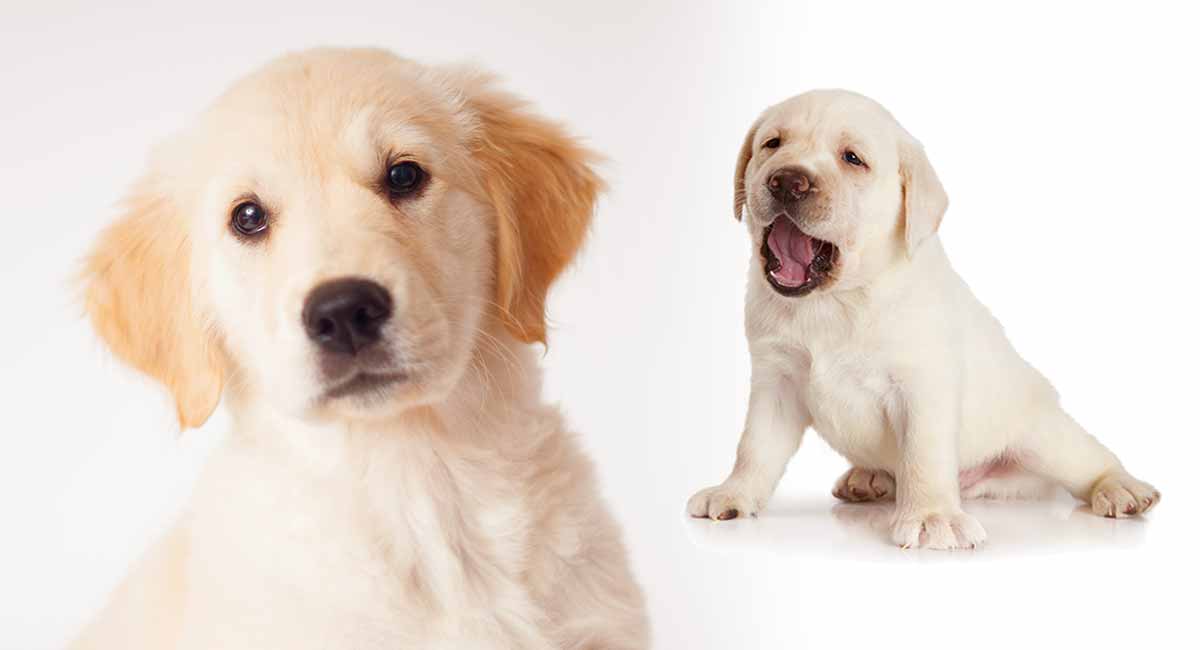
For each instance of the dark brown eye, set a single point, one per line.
(773, 143)
(249, 219)
(404, 178)
(853, 159)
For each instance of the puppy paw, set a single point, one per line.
(946, 530)
(728, 500)
(859, 484)
(1121, 495)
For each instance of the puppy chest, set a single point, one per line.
(848, 398)
(391, 563)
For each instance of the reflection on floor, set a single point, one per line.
(822, 525)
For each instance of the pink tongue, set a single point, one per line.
(793, 249)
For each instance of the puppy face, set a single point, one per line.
(836, 191)
(334, 236)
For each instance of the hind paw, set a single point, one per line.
(1121, 495)
(859, 484)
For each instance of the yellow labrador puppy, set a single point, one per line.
(859, 327)
(354, 250)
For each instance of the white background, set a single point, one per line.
(1066, 136)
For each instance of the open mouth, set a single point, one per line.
(795, 263)
(365, 383)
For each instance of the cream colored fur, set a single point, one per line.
(453, 510)
(894, 362)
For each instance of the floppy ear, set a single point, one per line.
(543, 189)
(925, 200)
(137, 292)
(739, 173)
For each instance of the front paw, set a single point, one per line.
(728, 500)
(943, 530)
(1121, 495)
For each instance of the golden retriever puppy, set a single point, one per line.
(859, 327)
(354, 250)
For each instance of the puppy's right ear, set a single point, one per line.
(543, 187)
(138, 294)
(739, 174)
(925, 199)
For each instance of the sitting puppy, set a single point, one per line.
(355, 251)
(859, 327)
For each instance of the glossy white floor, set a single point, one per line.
(816, 524)
(1065, 135)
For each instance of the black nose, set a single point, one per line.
(344, 316)
(789, 184)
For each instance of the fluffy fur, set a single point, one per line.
(449, 510)
(892, 360)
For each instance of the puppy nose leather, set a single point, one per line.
(346, 315)
(789, 184)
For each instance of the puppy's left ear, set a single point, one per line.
(739, 171)
(541, 184)
(925, 199)
(138, 293)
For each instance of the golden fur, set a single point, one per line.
(447, 510)
(134, 300)
(540, 225)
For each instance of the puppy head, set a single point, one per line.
(835, 191)
(335, 234)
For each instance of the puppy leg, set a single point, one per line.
(859, 484)
(928, 505)
(775, 424)
(1017, 485)
(1064, 452)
